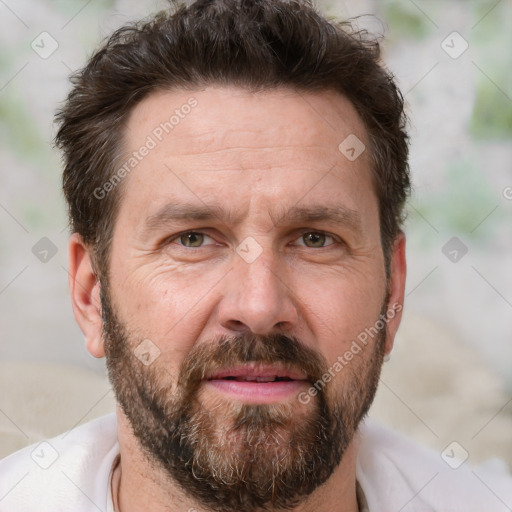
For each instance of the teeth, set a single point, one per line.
(257, 379)
(265, 379)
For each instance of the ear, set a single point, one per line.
(396, 288)
(84, 288)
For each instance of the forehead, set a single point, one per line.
(218, 116)
(228, 143)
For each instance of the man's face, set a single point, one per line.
(246, 247)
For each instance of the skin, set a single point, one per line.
(258, 154)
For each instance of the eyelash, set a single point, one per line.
(305, 232)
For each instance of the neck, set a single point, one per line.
(135, 473)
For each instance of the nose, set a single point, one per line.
(258, 297)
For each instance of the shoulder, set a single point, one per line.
(68, 472)
(397, 473)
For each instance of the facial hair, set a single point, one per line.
(230, 456)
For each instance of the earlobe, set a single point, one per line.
(396, 289)
(84, 288)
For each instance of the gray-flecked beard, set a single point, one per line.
(230, 456)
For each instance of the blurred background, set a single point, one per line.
(450, 376)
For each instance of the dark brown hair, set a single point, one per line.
(255, 44)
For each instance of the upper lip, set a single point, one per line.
(256, 370)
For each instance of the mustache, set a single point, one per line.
(229, 351)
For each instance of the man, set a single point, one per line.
(236, 173)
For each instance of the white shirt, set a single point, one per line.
(72, 473)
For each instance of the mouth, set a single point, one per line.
(257, 383)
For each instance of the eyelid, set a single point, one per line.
(300, 233)
(177, 236)
(305, 231)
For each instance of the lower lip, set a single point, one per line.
(258, 392)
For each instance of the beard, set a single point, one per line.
(228, 455)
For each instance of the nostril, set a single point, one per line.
(237, 325)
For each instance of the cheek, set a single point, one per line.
(342, 309)
(168, 303)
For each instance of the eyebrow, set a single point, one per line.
(173, 213)
(178, 212)
(334, 214)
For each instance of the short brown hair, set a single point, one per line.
(256, 44)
